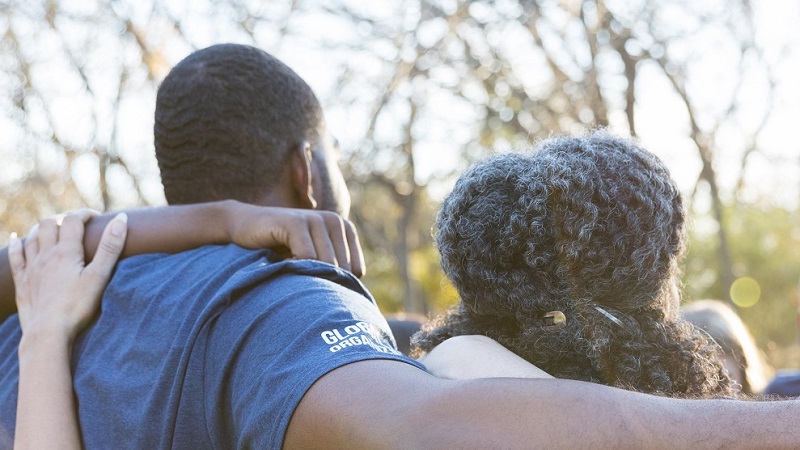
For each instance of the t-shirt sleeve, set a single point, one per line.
(272, 343)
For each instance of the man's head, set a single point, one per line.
(568, 255)
(233, 122)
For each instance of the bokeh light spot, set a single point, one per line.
(745, 292)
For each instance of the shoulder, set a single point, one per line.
(302, 275)
(285, 327)
(476, 356)
(301, 290)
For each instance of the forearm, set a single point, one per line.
(169, 229)
(374, 404)
(7, 304)
(164, 230)
(507, 413)
(304, 234)
(571, 414)
(46, 413)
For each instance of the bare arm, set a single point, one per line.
(474, 356)
(7, 305)
(387, 404)
(308, 234)
(57, 295)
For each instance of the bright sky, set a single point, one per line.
(661, 118)
(662, 124)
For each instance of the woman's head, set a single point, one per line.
(595, 219)
(590, 229)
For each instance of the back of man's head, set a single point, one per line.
(226, 120)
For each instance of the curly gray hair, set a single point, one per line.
(587, 229)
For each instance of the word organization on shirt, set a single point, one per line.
(361, 333)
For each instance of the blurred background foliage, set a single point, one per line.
(418, 89)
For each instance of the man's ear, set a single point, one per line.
(301, 163)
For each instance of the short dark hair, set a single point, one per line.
(226, 119)
(568, 256)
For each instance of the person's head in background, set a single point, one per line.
(233, 122)
(742, 359)
(404, 326)
(568, 255)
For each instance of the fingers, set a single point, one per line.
(57, 230)
(73, 226)
(48, 233)
(322, 240)
(16, 258)
(340, 234)
(357, 265)
(338, 238)
(32, 242)
(110, 247)
(321, 235)
(84, 214)
(325, 238)
(332, 240)
(299, 242)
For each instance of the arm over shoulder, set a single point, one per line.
(385, 404)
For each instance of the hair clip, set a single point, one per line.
(559, 320)
(610, 316)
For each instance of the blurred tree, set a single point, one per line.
(764, 238)
(415, 90)
(522, 70)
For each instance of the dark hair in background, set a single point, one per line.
(589, 227)
(403, 327)
(226, 119)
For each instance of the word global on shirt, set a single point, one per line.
(361, 333)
